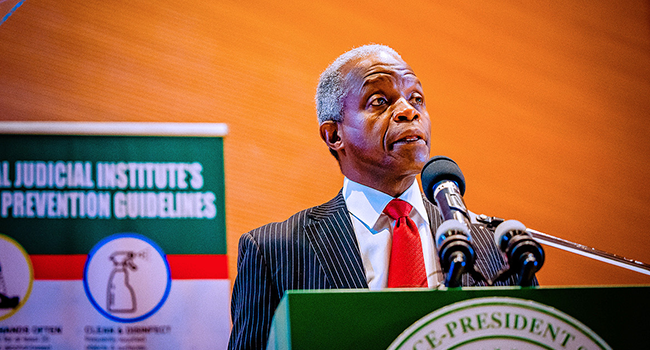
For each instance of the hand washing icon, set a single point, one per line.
(6, 301)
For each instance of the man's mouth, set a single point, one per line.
(407, 140)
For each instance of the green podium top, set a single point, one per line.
(362, 319)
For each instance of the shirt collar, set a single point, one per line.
(367, 204)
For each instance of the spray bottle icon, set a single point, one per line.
(120, 296)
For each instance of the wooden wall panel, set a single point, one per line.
(544, 106)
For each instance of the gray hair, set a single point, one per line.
(331, 92)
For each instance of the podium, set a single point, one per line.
(362, 319)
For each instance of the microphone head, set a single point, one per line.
(441, 168)
(502, 233)
(450, 226)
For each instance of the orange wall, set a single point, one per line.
(544, 106)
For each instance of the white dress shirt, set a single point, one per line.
(373, 230)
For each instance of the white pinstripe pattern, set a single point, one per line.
(314, 249)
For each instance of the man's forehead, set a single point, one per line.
(376, 64)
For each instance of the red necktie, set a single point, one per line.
(406, 267)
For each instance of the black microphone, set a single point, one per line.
(444, 184)
(525, 255)
(456, 252)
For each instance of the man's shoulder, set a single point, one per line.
(302, 218)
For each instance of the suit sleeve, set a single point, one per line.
(253, 298)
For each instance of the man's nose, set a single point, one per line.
(404, 111)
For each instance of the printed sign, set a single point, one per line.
(113, 241)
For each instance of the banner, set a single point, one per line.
(112, 236)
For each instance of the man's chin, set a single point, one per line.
(418, 156)
(408, 165)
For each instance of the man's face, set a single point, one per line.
(386, 129)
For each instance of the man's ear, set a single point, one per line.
(329, 132)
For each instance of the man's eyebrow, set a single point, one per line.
(378, 76)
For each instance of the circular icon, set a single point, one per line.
(127, 277)
(16, 276)
(498, 323)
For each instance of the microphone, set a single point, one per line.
(457, 255)
(444, 184)
(524, 254)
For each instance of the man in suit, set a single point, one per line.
(374, 120)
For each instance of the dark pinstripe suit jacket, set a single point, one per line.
(314, 249)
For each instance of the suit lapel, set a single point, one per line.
(332, 238)
(434, 217)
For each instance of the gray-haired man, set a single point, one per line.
(374, 120)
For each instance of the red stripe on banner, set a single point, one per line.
(186, 267)
(58, 267)
(183, 267)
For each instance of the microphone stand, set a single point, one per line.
(576, 248)
(528, 268)
(458, 266)
(589, 252)
(527, 265)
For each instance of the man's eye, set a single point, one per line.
(417, 99)
(378, 101)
